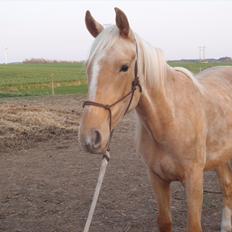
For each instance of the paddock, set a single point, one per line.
(47, 181)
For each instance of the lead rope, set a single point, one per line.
(104, 163)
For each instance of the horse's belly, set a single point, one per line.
(216, 157)
(219, 141)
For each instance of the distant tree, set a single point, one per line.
(225, 59)
(45, 61)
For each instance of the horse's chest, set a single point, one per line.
(166, 167)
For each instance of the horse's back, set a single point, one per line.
(216, 82)
(219, 75)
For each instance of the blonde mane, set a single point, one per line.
(155, 66)
(151, 61)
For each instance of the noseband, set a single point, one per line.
(135, 83)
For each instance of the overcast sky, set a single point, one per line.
(55, 29)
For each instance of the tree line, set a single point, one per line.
(46, 61)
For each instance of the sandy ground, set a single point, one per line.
(47, 182)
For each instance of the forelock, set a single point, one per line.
(106, 39)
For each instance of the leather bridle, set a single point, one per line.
(135, 83)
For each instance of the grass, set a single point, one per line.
(18, 80)
(41, 79)
(17, 74)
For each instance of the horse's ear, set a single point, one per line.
(92, 25)
(122, 22)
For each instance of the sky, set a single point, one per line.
(55, 29)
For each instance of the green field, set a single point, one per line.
(41, 79)
(57, 79)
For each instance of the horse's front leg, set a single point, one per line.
(194, 195)
(162, 192)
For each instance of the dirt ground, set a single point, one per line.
(47, 182)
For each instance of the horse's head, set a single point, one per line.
(112, 80)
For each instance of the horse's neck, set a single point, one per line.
(156, 109)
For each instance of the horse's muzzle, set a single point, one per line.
(92, 142)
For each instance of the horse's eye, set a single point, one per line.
(124, 68)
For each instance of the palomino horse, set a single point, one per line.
(184, 123)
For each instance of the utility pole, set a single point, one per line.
(201, 52)
(6, 55)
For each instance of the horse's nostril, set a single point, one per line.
(96, 139)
